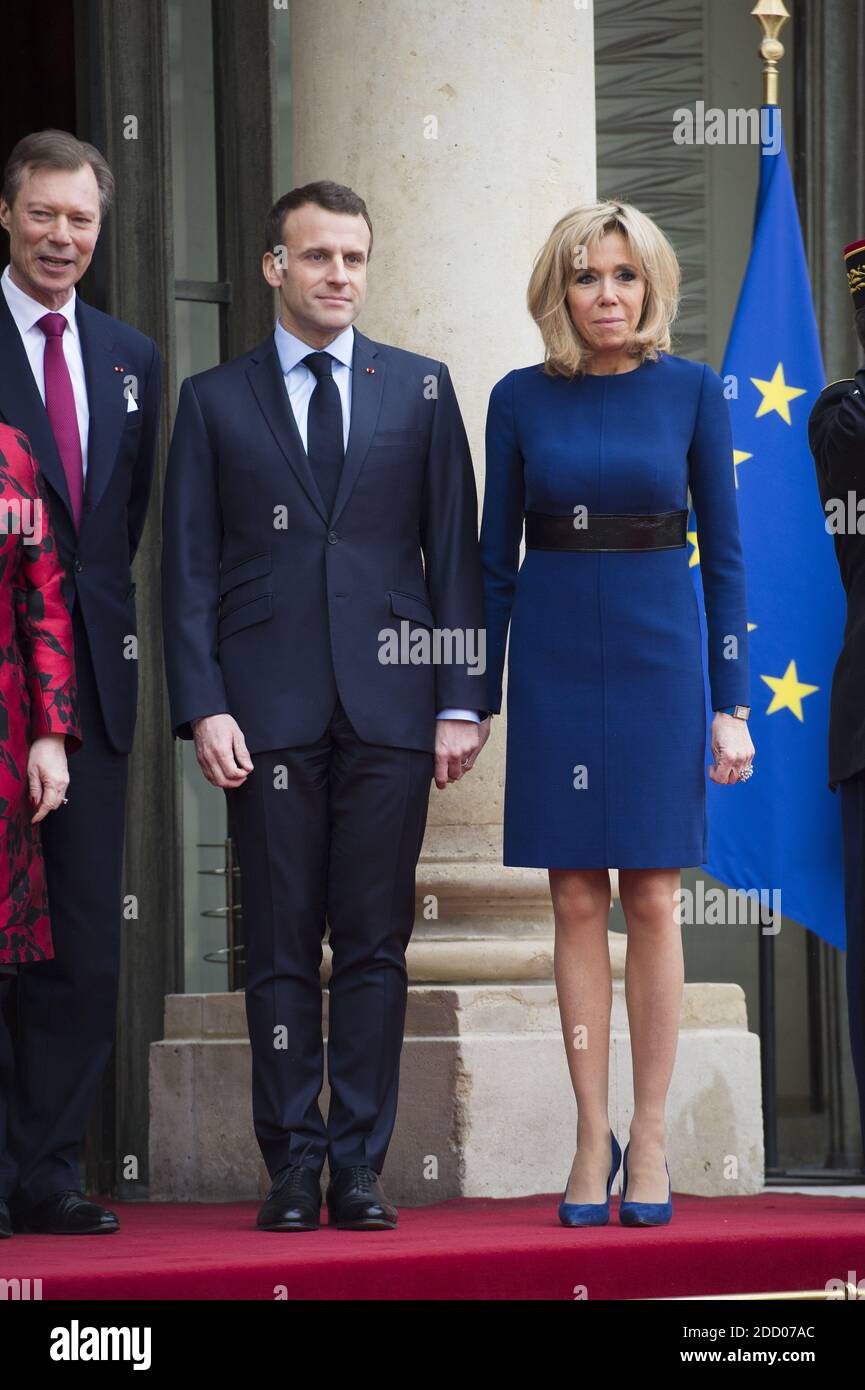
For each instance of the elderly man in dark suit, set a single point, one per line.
(84, 388)
(323, 614)
(837, 437)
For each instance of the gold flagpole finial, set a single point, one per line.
(771, 15)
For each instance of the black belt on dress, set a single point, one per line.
(607, 531)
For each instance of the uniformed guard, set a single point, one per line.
(836, 432)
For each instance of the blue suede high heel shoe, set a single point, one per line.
(644, 1213)
(592, 1213)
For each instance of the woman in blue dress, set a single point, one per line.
(593, 451)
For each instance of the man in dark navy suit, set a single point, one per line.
(85, 389)
(323, 629)
(837, 436)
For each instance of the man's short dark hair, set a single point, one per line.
(333, 197)
(56, 149)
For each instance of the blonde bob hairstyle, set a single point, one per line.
(555, 269)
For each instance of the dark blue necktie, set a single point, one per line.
(324, 428)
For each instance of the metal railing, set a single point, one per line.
(231, 954)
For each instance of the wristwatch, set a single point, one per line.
(737, 711)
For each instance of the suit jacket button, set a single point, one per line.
(78, 566)
(332, 538)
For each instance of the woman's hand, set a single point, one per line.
(47, 774)
(732, 748)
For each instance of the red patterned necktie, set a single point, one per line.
(60, 404)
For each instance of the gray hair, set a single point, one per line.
(56, 149)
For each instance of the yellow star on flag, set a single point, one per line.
(777, 395)
(739, 456)
(788, 691)
(695, 553)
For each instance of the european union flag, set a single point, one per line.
(781, 829)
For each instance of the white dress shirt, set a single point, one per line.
(300, 382)
(27, 312)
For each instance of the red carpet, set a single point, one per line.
(474, 1248)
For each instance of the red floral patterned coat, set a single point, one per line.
(38, 693)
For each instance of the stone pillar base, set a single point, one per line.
(486, 1107)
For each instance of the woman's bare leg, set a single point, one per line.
(581, 904)
(654, 977)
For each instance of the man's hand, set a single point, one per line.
(221, 750)
(458, 742)
(483, 734)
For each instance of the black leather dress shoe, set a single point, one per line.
(5, 1221)
(355, 1201)
(68, 1214)
(293, 1202)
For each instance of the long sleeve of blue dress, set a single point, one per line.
(501, 529)
(713, 492)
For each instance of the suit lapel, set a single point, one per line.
(367, 387)
(21, 405)
(105, 399)
(265, 377)
(367, 384)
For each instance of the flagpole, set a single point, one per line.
(771, 15)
